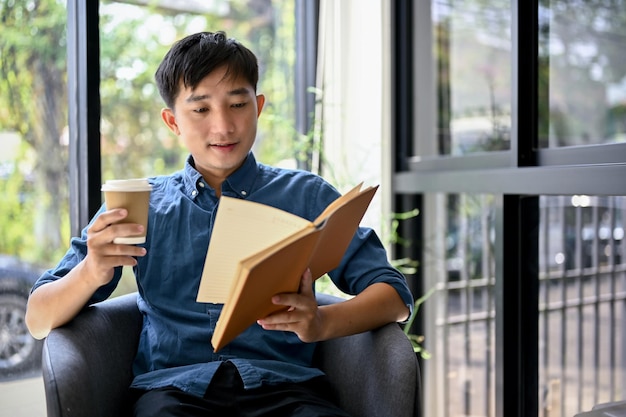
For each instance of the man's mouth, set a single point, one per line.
(222, 145)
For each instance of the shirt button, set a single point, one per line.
(194, 193)
(200, 184)
(244, 193)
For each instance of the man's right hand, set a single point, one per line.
(55, 303)
(102, 254)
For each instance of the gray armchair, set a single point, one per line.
(87, 365)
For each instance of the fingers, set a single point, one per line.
(102, 254)
(301, 315)
(106, 228)
(304, 299)
(107, 218)
(306, 283)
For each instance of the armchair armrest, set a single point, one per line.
(372, 372)
(81, 378)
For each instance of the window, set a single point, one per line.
(459, 261)
(34, 225)
(546, 201)
(472, 50)
(581, 297)
(582, 73)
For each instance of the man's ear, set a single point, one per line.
(169, 118)
(260, 101)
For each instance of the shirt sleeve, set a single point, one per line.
(365, 261)
(74, 255)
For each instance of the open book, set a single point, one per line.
(257, 251)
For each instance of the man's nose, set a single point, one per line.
(222, 122)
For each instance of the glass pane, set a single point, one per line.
(582, 72)
(581, 303)
(473, 75)
(34, 209)
(460, 263)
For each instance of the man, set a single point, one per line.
(208, 83)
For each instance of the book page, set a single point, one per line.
(241, 229)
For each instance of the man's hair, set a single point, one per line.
(196, 56)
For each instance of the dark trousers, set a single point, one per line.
(225, 396)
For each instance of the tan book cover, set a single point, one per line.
(257, 251)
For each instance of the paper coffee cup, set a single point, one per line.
(134, 196)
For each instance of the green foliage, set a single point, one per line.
(407, 266)
(14, 226)
(325, 285)
(417, 340)
(33, 105)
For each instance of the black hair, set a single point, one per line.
(194, 57)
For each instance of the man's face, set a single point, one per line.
(217, 122)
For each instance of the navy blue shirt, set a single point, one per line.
(175, 343)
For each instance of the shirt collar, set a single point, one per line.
(191, 177)
(240, 182)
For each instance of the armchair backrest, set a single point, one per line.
(87, 365)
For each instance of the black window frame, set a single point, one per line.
(83, 79)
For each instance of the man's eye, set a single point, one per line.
(201, 110)
(238, 105)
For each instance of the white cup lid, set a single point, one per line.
(137, 184)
